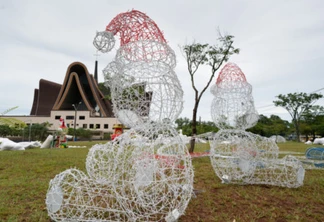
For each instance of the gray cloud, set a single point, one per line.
(280, 41)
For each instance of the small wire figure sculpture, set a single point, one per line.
(233, 105)
(242, 157)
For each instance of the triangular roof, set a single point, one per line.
(80, 86)
(44, 97)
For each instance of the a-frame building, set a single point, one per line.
(79, 96)
(80, 86)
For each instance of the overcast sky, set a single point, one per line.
(281, 44)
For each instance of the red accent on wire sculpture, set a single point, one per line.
(231, 73)
(135, 26)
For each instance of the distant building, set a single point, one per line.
(79, 95)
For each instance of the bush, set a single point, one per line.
(5, 130)
(107, 136)
(36, 131)
(80, 133)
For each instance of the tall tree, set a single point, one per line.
(185, 124)
(105, 90)
(312, 121)
(196, 55)
(297, 104)
(273, 125)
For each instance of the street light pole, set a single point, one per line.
(75, 117)
(30, 124)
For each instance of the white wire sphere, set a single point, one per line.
(144, 91)
(152, 178)
(233, 108)
(104, 41)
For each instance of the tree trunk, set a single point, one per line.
(194, 128)
(297, 130)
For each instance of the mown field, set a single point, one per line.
(25, 176)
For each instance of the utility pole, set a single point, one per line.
(75, 117)
(30, 124)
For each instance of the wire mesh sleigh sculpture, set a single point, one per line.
(242, 157)
(146, 173)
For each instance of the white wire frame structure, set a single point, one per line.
(233, 104)
(133, 178)
(242, 157)
(153, 178)
(142, 80)
(145, 174)
(73, 196)
(146, 91)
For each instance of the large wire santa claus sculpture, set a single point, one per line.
(146, 173)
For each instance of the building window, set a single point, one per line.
(81, 117)
(91, 126)
(84, 126)
(57, 117)
(106, 126)
(69, 117)
(97, 126)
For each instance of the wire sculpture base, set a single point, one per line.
(133, 178)
(241, 157)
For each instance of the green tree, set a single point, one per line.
(197, 55)
(261, 127)
(37, 131)
(81, 133)
(206, 126)
(185, 124)
(273, 125)
(320, 128)
(312, 121)
(105, 90)
(278, 126)
(84, 133)
(297, 104)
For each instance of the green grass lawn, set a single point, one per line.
(25, 176)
